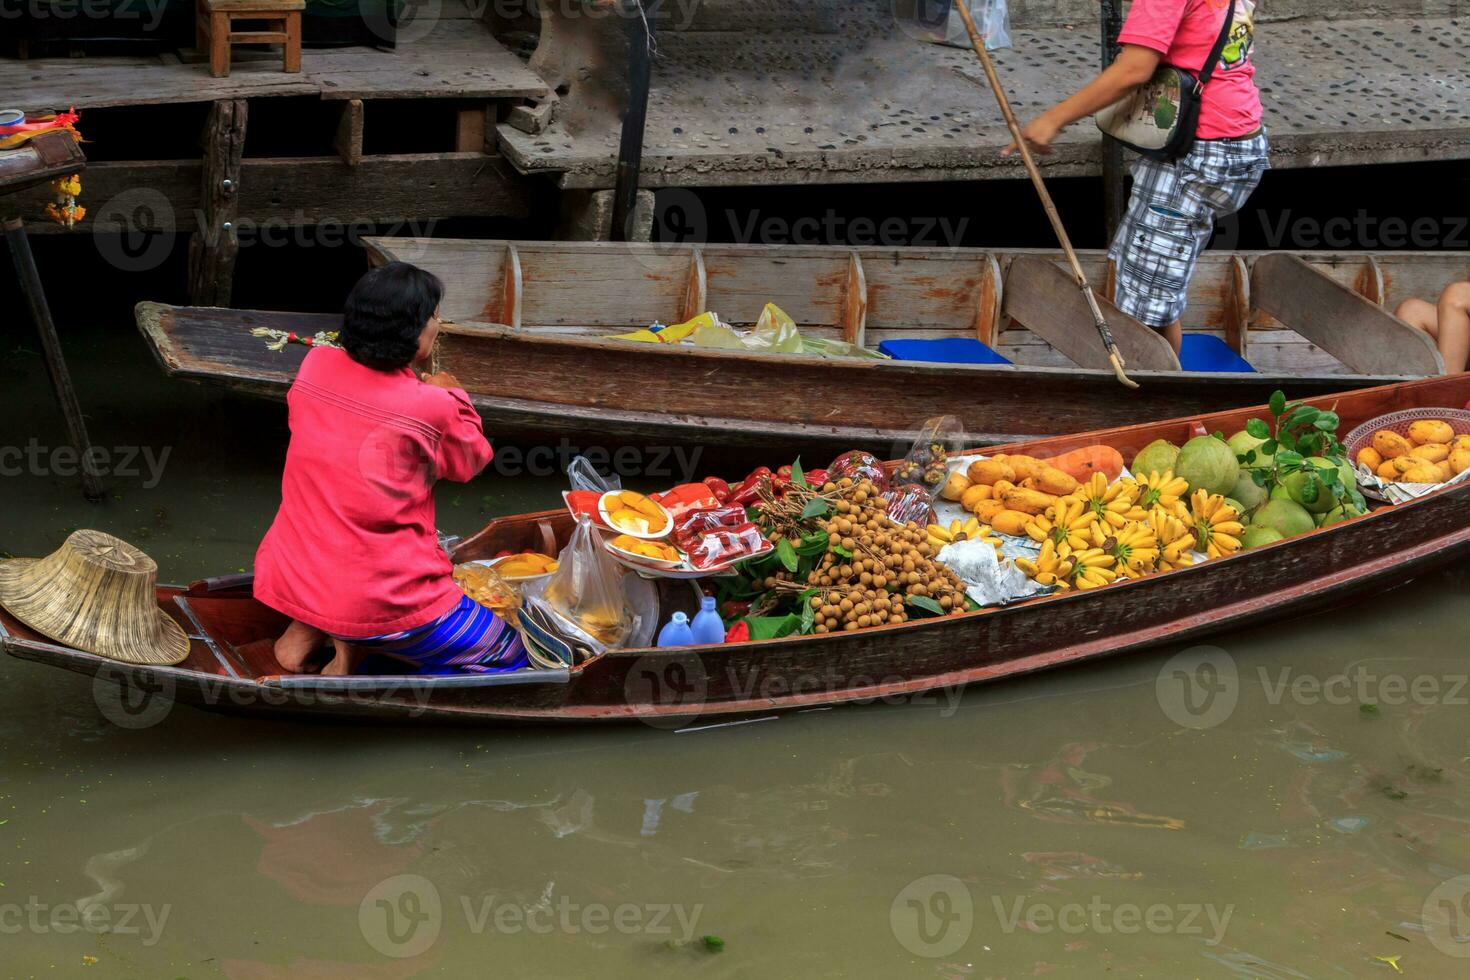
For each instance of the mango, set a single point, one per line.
(1370, 458)
(1435, 452)
(1387, 471)
(1055, 482)
(987, 509)
(955, 486)
(1459, 460)
(1012, 522)
(974, 495)
(1028, 501)
(1423, 473)
(1026, 467)
(1390, 444)
(1430, 430)
(988, 471)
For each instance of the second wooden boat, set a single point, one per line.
(231, 668)
(528, 325)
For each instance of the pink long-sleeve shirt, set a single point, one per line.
(353, 549)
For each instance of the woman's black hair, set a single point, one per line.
(386, 312)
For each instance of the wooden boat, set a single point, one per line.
(230, 666)
(530, 322)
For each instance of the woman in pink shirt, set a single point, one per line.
(1172, 211)
(353, 554)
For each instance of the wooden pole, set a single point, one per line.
(66, 394)
(215, 246)
(1115, 357)
(1112, 150)
(630, 147)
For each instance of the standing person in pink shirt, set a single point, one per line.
(1175, 204)
(354, 554)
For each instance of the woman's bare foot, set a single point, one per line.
(296, 646)
(345, 662)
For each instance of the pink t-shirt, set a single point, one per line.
(1184, 32)
(353, 550)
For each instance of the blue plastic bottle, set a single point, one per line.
(676, 632)
(708, 627)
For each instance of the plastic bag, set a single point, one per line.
(927, 462)
(858, 465)
(584, 476)
(486, 586)
(774, 331)
(940, 23)
(910, 502)
(587, 588)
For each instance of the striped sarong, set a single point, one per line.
(467, 639)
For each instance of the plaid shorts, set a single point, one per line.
(1170, 218)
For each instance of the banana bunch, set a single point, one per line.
(1216, 525)
(1067, 522)
(1163, 490)
(1051, 567)
(1114, 504)
(958, 530)
(1092, 569)
(1176, 540)
(1135, 549)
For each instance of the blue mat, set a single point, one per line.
(1203, 352)
(948, 350)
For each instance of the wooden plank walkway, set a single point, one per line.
(458, 58)
(868, 104)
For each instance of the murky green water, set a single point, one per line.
(1070, 824)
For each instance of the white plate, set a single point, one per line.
(647, 536)
(492, 562)
(637, 559)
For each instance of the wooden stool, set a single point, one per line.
(214, 29)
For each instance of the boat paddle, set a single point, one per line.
(1115, 357)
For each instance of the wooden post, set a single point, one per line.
(630, 144)
(66, 394)
(349, 133)
(214, 247)
(469, 129)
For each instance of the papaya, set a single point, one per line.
(1430, 430)
(988, 471)
(1390, 444)
(1012, 522)
(1080, 464)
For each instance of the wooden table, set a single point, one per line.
(214, 30)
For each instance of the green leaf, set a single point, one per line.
(814, 543)
(816, 507)
(808, 616)
(970, 604)
(1278, 403)
(798, 475)
(1287, 441)
(1270, 446)
(1258, 477)
(1356, 496)
(1258, 429)
(1289, 459)
(772, 627)
(1311, 490)
(1327, 422)
(786, 551)
(925, 603)
(1305, 415)
(713, 943)
(837, 549)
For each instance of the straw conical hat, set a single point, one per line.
(94, 593)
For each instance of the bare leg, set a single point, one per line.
(1174, 334)
(1420, 315)
(296, 645)
(1454, 326)
(346, 661)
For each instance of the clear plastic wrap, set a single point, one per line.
(927, 462)
(689, 528)
(858, 465)
(587, 588)
(584, 476)
(717, 548)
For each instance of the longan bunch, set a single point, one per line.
(888, 562)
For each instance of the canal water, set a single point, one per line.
(1289, 801)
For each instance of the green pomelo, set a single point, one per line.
(1248, 493)
(1339, 514)
(1208, 464)
(1286, 517)
(1243, 442)
(1158, 456)
(1296, 484)
(1255, 535)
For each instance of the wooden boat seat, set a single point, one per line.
(1205, 352)
(943, 350)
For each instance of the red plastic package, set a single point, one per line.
(723, 547)
(581, 502)
(911, 502)
(689, 528)
(687, 497)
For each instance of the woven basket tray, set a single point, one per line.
(1459, 420)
